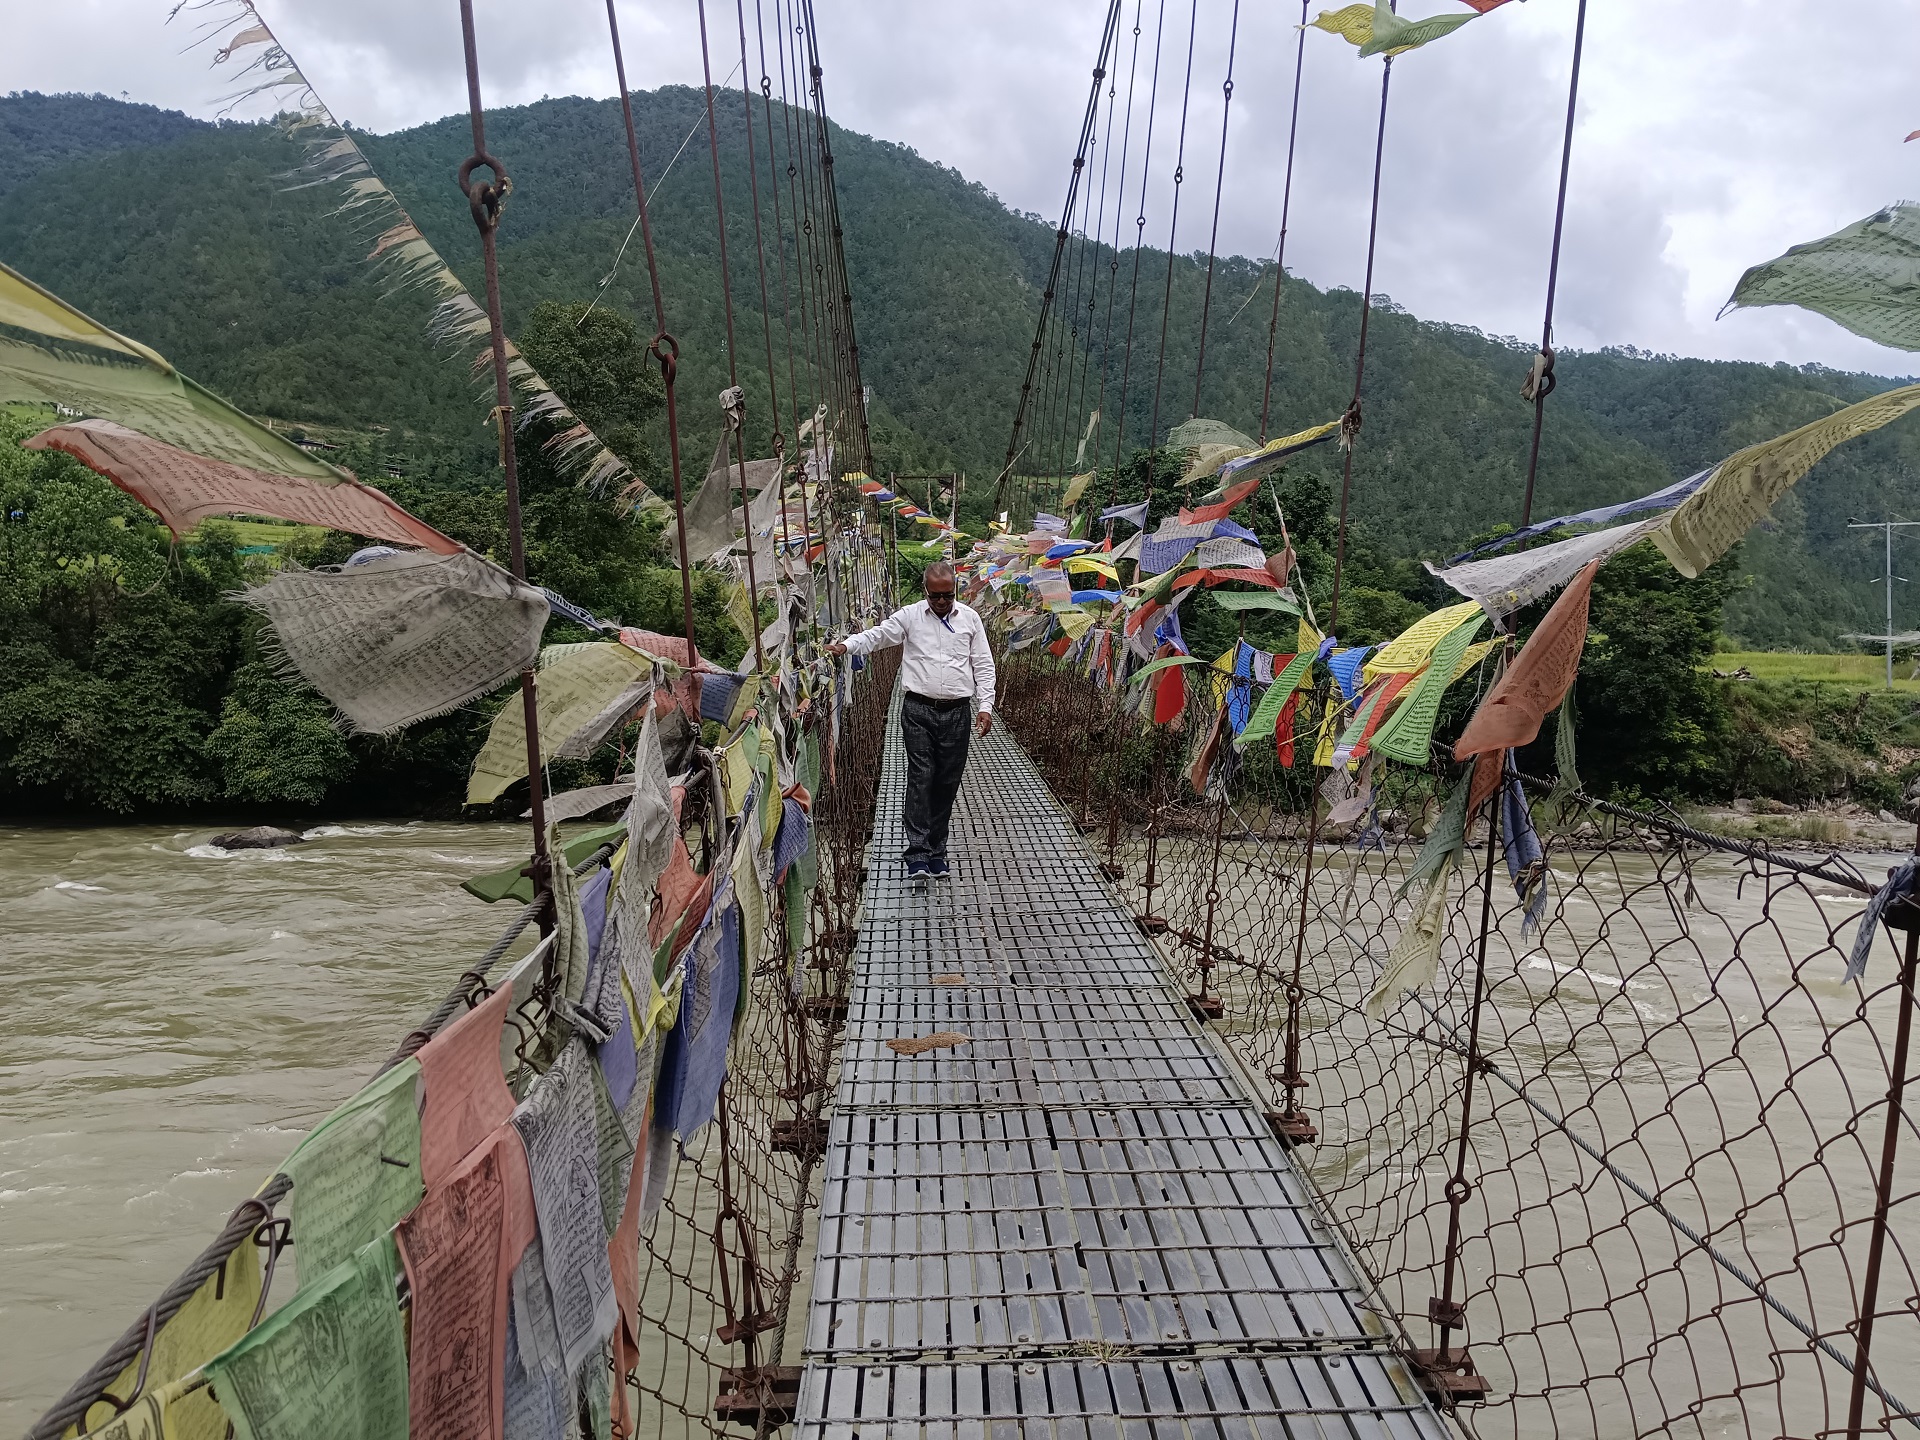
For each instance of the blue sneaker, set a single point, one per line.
(938, 869)
(917, 869)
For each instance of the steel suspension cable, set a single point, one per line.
(1140, 238)
(1113, 264)
(1059, 245)
(1542, 381)
(1173, 229)
(1350, 422)
(1286, 201)
(1219, 183)
(484, 199)
(664, 348)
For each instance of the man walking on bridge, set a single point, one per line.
(944, 663)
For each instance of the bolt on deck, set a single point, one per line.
(1079, 1219)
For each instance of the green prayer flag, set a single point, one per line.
(330, 1364)
(1255, 600)
(1158, 665)
(1408, 734)
(358, 1174)
(796, 911)
(1267, 713)
(1394, 36)
(510, 884)
(1865, 277)
(1448, 835)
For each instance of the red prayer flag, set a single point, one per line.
(1220, 508)
(1283, 728)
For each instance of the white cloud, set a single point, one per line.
(1712, 134)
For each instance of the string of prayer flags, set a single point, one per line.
(359, 1173)
(1536, 682)
(1507, 583)
(1665, 498)
(330, 1362)
(1865, 277)
(1744, 486)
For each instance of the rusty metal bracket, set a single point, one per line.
(829, 1008)
(1207, 1007)
(1448, 1377)
(760, 1397)
(1292, 1127)
(805, 1136)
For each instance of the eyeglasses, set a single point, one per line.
(939, 594)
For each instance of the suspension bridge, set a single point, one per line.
(1066, 1211)
(1217, 1079)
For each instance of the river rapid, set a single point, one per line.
(177, 1017)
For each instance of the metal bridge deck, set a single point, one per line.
(1077, 1223)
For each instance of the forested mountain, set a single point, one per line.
(262, 291)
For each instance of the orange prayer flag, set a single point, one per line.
(1537, 682)
(466, 1091)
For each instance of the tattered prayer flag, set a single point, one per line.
(1865, 277)
(331, 1361)
(1537, 681)
(1416, 955)
(1744, 486)
(1377, 30)
(358, 1173)
(403, 637)
(466, 1095)
(183, 488)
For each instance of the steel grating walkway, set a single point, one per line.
(1077, 1224)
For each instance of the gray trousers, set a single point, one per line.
(936, 743)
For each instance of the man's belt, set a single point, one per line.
(950, 703)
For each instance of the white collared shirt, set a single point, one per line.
(940, 659)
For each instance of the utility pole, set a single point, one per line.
(1887, 527)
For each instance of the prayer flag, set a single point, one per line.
(1536, 682)
(358, 1173)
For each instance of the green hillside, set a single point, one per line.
(260, 290)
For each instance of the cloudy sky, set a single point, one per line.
(1712, 133)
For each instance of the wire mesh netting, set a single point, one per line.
(1650, 1203)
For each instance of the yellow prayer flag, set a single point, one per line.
(1076, 488)
(1309, 638)
(1473, 655)
(1744, 486)
(1409, 651)
(1095, 564)
(215, 1315)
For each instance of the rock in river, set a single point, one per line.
(260, 837)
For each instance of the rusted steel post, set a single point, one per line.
(1883, 1186)
(484, 199)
